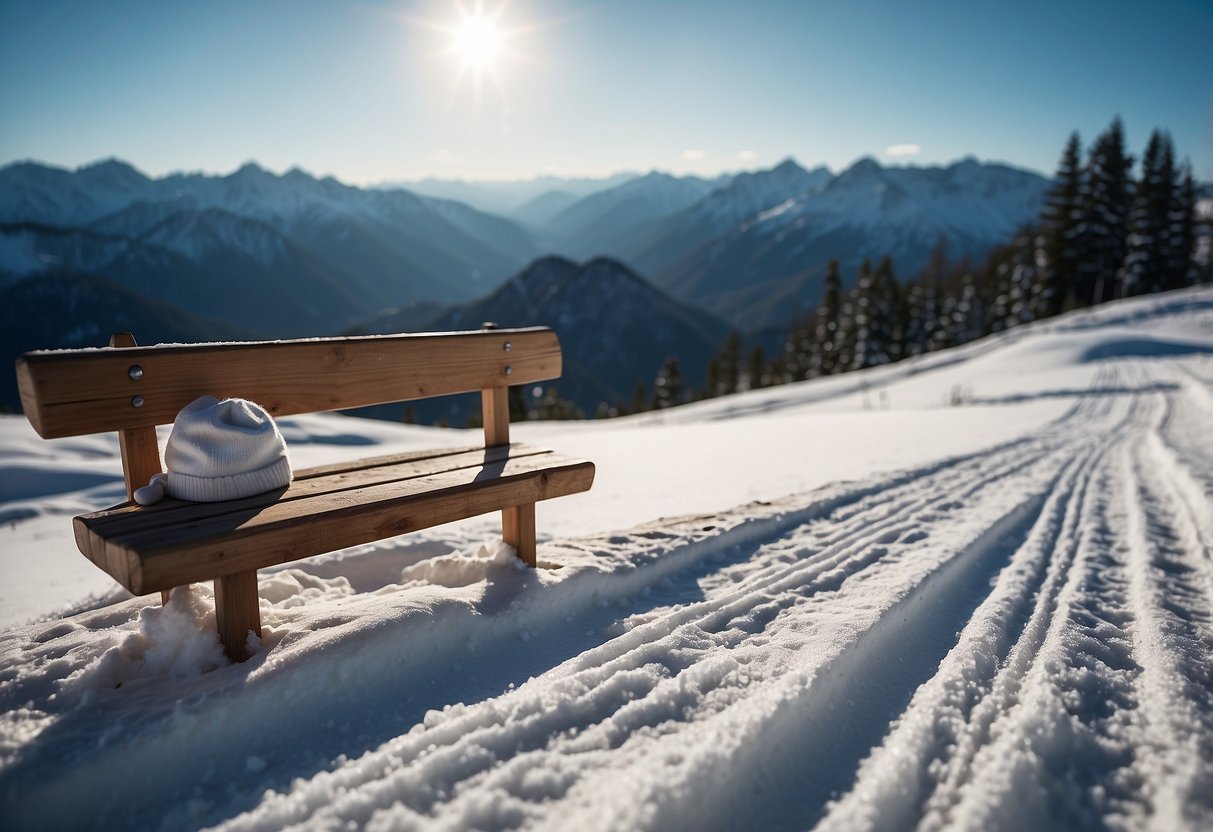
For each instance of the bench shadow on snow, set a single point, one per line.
(522, 629)
(1155, 347)
(506, 657)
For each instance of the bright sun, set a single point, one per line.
(478, 41)
(482, 42)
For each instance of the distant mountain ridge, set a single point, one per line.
(606, 222)
(759, 271)
(508, 197)
(656, 265)
(307, 237)
(724, 209)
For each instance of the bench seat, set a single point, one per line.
(171, 543)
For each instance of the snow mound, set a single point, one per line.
(463, 568)
(177, 640)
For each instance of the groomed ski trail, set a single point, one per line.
(1016, 637)
(1032, 625)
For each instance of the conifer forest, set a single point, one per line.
(1104, 234)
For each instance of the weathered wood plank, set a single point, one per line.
(389, 459)
(117, 521)
(285, 531)
(73, 392)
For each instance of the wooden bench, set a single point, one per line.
(133, 389)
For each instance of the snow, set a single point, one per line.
(966, 198)
(971, 590)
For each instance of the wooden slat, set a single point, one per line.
(390, 459)
(91, 530)
(230, 520)
(145, 561)
(73, 392)
(128, 517)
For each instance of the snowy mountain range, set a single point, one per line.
(343, 252)
(752, 248)
(614, 219)
(723, 210)
(756, 266)
(293, 255)
(510, 198)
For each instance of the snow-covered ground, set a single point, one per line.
(973, 590)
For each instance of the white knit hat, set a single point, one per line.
(220, 450)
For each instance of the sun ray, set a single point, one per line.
(482, 45)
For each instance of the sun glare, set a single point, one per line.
(482, 44)
(478, 41)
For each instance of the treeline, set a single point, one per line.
(1103, 234)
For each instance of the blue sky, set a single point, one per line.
(372, 91)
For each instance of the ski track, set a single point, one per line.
(1061, 675)
(1013, 639)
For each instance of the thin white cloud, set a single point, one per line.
(694, 155)
(746, 155)
(445, 156)
(903, 150)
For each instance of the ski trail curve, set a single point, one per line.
(904, 655)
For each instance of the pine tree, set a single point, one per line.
(824, 349)
(757, 376)
(725, 368)
(1181, 269)
(553, 406)
(798, 349)
(998, 277)
(1025, 281)
(884, 311)
(969, 312)
(875, 305)
(1109, 189)
(946, 334)
(914, 316)
(896, 307)
(639, 399)
(930, 296)
(852, 315)
(1147, 250)
(667, 388)
(1063, 224)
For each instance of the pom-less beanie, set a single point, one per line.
(220, 450)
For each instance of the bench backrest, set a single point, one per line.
(74, 392)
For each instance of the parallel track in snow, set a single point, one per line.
(1015, 638)
(1019, 637)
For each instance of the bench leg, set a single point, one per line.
(237, 612)
(518, 530)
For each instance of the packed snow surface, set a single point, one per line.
(973, 590)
